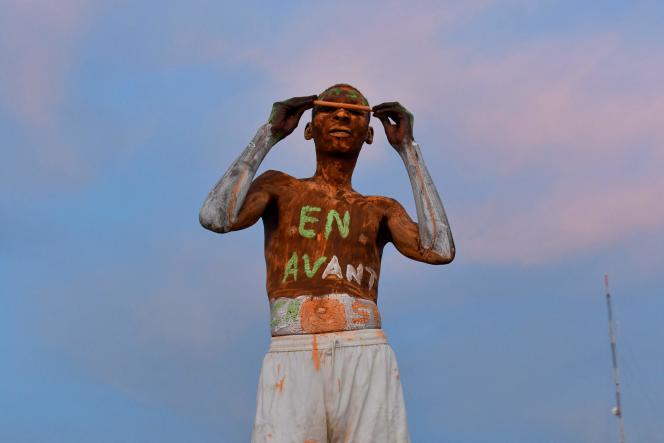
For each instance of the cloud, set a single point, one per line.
(567, 220)
(542, 138)
(37, 43)
(581, 125)
(391, 48)
(574, 118)
(162, 324)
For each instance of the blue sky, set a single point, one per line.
(124, 320)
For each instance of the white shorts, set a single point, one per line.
(333, 387)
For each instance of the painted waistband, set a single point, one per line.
(309, 314)
(308, 342)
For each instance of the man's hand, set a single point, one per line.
(402, 130)
(286, 115)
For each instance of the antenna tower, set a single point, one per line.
(617, 410)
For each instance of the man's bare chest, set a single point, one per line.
(322, 221)
(316, 238)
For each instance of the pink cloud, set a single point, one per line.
(567, 220)
(573, 101)
(580, 113)
(588, 117)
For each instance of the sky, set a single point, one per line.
(123, 320)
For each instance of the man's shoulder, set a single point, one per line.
(280, 184)
(272, 178)
(380, 202)
(272, 175)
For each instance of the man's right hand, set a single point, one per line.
(286, 115)
(400, 132)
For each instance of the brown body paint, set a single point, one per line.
(321, 236)
(296, 263)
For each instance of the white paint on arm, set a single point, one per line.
(222, 206)
(434, 229)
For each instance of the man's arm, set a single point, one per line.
(433, 242)
(221, 210)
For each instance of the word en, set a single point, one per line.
(343, 225)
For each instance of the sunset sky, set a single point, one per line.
(541, 122)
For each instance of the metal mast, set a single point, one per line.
(617, 410)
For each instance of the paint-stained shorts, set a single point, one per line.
(334, 387)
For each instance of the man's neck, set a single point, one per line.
(336, 171)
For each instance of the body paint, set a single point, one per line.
(343, 226)
(362, 313)
(372, 276)
(318, 314)
(304, 218)
(293, 310)
(317, 264)
(333, 268)
(274, 310)
(223, 203)
(321, 314)
(353, 273)
(291, 267)
(434, 229)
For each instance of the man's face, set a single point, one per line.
(340, 130)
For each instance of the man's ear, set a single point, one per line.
(369, 138)
(308, 132)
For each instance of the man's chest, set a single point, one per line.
(320, 222)
(314, 239)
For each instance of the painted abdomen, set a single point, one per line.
(319, 314)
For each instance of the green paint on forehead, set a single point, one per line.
(344, 91)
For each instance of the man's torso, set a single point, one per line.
(320, 240)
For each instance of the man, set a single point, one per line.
(330, 375)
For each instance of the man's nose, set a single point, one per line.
(341, 114)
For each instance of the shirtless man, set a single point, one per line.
(329, 375)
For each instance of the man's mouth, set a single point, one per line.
(340, 132)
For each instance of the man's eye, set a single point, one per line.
(325, 109)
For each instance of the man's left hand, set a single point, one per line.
(402, 129)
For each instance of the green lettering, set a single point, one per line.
(317, 264)
(304, 218)
(291, 267)
(343, 227)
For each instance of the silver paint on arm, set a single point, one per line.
(434, 229)
(223, 203)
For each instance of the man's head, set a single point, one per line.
(340, 130)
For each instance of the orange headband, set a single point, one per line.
(341, 105)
